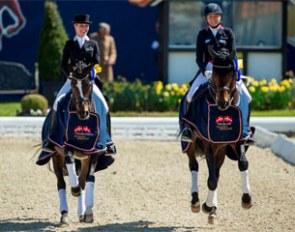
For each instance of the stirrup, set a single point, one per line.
(186, 135)
(250, 141)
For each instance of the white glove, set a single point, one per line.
(208, 74)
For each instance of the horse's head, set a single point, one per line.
(223, 83)
(81, 84)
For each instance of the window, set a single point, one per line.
(258, 24)
(255, 23)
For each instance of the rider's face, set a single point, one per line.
(81, 29)
(213, 19)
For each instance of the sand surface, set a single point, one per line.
(146, 189)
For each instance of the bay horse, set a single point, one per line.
(216, 100)
(72, 158)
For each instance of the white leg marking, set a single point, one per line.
(63, 205)
(245, 182)
(81, 204)
(211, 198)
(72, 175)
(195, 181)
(89, 197)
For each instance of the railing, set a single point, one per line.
(132, 128)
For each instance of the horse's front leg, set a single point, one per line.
(58, 164)
(215, 160)
(89, 198)
(71, 167)
(243, 167)
(82, 179)
(194, 168)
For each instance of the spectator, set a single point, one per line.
(108, 51)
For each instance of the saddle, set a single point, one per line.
(71, 132)
(211, 124)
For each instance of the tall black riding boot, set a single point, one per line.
(47, 145)
(109, 124)
(250, 140)
(111, 149)
(186, 133)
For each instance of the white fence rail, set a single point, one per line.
(132, 128)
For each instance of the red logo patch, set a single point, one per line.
(224, 120)
(82, 129)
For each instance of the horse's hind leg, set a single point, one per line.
(90, 179)
(58, 162)
(243, 167)
(70, 163)
(194, 168)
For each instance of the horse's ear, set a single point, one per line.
(232, 55)
(212, 53)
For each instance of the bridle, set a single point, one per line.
(79, 76)
(82, 100)
(213, 91)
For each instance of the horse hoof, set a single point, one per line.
(88, 218)
(212, 219)
(206, 209)
(212, 216)
(195, 203)
(81, 218)
(196, 207)
(246, 201)
(76, 191)
(64, 220)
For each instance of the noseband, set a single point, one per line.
(212, 88)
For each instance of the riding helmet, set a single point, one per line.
(212, 8)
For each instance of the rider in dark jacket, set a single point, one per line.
(218, 37)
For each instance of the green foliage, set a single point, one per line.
(33, 103)
(9, 108)
(52, 39)
(156, 97)
(135, 96)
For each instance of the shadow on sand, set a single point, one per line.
(33, 225)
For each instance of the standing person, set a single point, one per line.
(217, 36)
(108, 51)
(76, 49)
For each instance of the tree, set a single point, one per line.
(52, 39)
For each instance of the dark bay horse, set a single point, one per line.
(215, 109)
(74, 159)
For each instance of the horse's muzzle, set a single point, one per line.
(83, 115)
(223, 105)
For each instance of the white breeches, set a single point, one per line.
(201, 79)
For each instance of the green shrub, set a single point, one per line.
(34, 104)
(52, 40)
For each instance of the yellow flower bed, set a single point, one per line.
(135, 96)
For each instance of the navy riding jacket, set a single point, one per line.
(72, 53)
(223, 39)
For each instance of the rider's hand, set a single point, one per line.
(208, 74)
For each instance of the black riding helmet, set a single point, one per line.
(212, 8)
